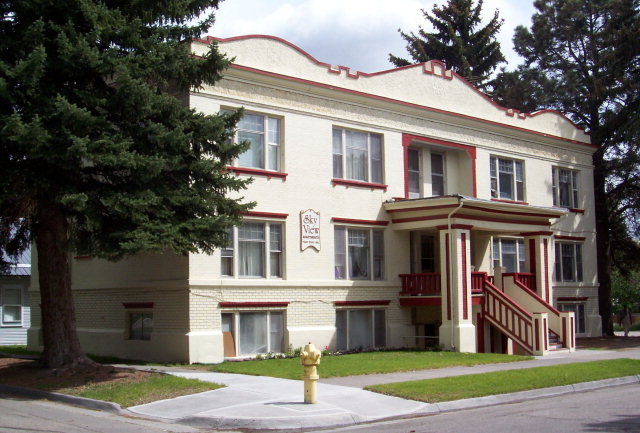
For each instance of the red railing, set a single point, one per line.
(477, 281)
(508, 316)
(527, 279)
(420, 284)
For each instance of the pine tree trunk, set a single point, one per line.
(603, 244)
(61, 344)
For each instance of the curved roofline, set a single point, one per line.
(427, 68)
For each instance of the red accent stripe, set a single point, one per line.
(361, 222)
(265, 214)
(546, 334)
(564, 332)
(572, 298)
(480, 332)
(455, 226)
(360, 303)
(137, 304)
(470, 217)
(477, 299)
(546, 269)
(576, 210)
(536, 234)
(573, 337)
(509, 212)
(532, 256)
(419, 208)
(570, 238)
(465, 302)
(251, 304)
(448, 266)
(357, 183)
(258, 172)
(537, 325)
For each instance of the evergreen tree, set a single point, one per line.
(586, 54)
(470, 51)
(97, 152)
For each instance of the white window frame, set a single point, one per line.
(270, 249)
(130, 322)
(574, 187)
(372, 320)
(3, 304)
(235, 329)
(579, 312)
(577, 259)
(520, 253)
(376, 255)
(341, 149)
(495, 177)
(269, 142)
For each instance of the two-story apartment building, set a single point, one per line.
(396, 209)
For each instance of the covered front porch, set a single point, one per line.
(480, 274)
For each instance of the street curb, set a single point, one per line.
(87, 403)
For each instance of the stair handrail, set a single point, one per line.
(508, 326)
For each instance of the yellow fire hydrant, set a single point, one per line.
(310, 359)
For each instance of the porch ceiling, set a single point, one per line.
(426, 213)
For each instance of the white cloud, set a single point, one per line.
(355, 33)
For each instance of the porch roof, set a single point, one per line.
(491, 215)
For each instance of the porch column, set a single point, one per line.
(457, 330)
(538, 254)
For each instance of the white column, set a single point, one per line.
(457, 331)
(540, 261)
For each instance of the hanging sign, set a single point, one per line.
(309, 229)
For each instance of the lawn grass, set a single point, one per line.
(502, 382)
(364, 363)
(157, 387)
(17, 349)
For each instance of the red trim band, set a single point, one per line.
(359, 222)
(536, 234)
(133, 305)
(465, 302)
(572, 298)
(470, 217)
(509, 201)
(258, 172)
(570, 238)
(252, 304)
(576, 210)
(455, 226)
(361, 303)
(358, 183)
(256, 214)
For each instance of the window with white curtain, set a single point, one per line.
(510, 254)
(357, 155)
(360, 328)
(507, 179)
(254, 250)
(11, 303)
(359, 253)
(568, 261)
(564, 185)
(255, 331)
(264, 135)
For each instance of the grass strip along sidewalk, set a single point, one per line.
(503, 382)
(365, 363)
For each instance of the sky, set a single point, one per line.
(358, 34)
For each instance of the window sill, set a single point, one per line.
(576, 210)
(258, 172)
(11, 325)
(357, 183)
(509, 201)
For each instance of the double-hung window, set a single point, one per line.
(507, 179)
(264, 135)
(357, 155)
(254, 250)
(11, 299)
(510, 254)
(360, 328)
(568, 261)
(565, 187)
(359, 253)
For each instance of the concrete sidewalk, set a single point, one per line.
(256, 402)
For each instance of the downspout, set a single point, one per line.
(450, 270)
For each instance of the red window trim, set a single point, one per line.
(357, 183)
(574, 210)
(252, 304)
(265, 214)
(136, 305)
(359, 222)
(258, 172)
(372, 303)
(572, 298)
(570, 238)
